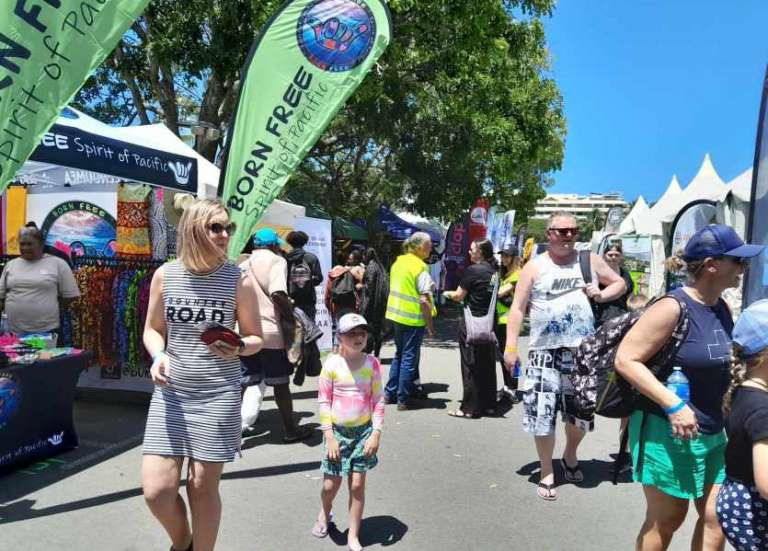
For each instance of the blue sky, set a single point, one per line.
(650, 86)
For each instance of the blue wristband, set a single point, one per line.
(158, 355)
(674, 409)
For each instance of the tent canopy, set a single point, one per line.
(673, 189)
(79, 149)
(640, 221)
(707, 184)
(402, 225)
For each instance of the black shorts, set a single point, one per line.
(270, 366)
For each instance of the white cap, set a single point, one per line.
(348, 322)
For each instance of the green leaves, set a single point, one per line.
(461, 104)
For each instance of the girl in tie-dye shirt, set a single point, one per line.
(351, 415)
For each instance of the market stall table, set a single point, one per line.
(36, 403)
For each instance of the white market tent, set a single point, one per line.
(706, 185)
(639, 224)
(154, 137)
(733, 204)
(63, 156)
(673, 190)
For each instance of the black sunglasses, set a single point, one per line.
(220, 228)
(563, 232)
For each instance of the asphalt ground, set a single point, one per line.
(442, 484)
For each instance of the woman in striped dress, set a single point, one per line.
(195, 409)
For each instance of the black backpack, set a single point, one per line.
(597, 388)
(343, 290)
(300, 282)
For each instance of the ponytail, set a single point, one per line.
(738, 376)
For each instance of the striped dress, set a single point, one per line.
(197, 415)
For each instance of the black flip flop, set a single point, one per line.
(572, 474)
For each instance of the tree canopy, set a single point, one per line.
(461, 104)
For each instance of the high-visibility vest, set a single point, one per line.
(502, 310)
(403, 304)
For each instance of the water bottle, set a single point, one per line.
(516, 374)
(678, 383)
(4, 324)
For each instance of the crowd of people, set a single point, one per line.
(711, 448)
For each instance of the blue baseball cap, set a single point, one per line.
(718, 240)
(266, 237)
(751, 329)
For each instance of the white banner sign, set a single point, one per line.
(321, 245)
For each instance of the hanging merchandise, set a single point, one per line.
(15, 216)
(112, 333)
(133, 220)
(158, 225)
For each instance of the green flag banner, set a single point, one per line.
(301, 69)
(48, 48)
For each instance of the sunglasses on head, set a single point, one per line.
(218, 228)
(563, 232)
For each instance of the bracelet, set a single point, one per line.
(674, 409)
(510, 349)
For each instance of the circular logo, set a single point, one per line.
(336, 35)
(10, 398)
(477, 215)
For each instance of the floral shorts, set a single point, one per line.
(351, 445)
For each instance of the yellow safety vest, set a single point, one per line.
(403, 304)
(502, 310)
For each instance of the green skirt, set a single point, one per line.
(678, 468)
(351, 446)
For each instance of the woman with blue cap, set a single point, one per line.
(742, 504)
(678, 445)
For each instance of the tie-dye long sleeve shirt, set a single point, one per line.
(348, 397)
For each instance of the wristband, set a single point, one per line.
(674, 409)
(510, 349)
(158, 355)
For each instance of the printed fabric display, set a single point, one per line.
(15, 217)
(158, 225)
(133, 226)
(114, 333)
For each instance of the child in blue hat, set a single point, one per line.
(742, 504)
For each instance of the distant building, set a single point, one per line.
(580, 205)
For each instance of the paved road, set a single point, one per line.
(443, 484)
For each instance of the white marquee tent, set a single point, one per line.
(707, 185)
(641, 230)
(733, 204)
(672, 191)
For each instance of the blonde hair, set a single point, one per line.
(739, 372)
(635, 302)
(197, 251)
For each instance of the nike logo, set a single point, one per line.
(553, 294)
